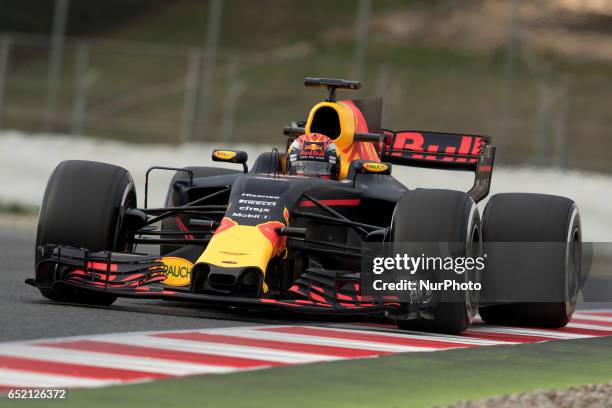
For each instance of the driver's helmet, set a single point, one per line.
(313, 155)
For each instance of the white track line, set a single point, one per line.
(592, 326)
(592, 317)
(424, 336)
(530, 332)
(322, 341)
(221, 349)
(419, 336)
(145, 364)
(427, 336)
(26, 379)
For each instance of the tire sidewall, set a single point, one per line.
(66, 197)
(462, 227)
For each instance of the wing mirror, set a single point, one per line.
(231, 156)
(371, 167)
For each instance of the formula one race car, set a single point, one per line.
(288, 233)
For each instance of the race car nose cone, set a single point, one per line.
(219, 280)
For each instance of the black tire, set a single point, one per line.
(268, 162)
(424, 215)
(538, 218)
(174, 197)
(80, 208)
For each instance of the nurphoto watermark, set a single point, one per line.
(501, 272)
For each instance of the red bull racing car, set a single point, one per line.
(288, 233)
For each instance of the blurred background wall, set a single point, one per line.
(535, 75)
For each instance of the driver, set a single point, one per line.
(313, 155)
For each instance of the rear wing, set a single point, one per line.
(436, 150)
(442, 151)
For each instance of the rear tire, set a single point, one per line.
(515, 217)
(440, 216)
(80, 208)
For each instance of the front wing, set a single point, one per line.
(139, 276)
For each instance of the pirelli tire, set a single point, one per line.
(80, 208)
(535, 220)
(174, 197)
(441, 216)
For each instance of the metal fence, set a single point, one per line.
(156, 93)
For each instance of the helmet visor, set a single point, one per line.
(311, 168)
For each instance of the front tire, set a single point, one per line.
(442, 216)
(80, 208)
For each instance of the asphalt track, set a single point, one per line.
(25, 314)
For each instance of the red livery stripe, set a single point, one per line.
(331, 203)
(183, 228)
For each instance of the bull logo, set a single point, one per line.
(313, 149)
(313, 146)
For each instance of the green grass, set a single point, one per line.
(405, 380)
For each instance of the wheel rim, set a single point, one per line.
(128, 200)
(473, 244)
(573, 259)
(472, 297)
